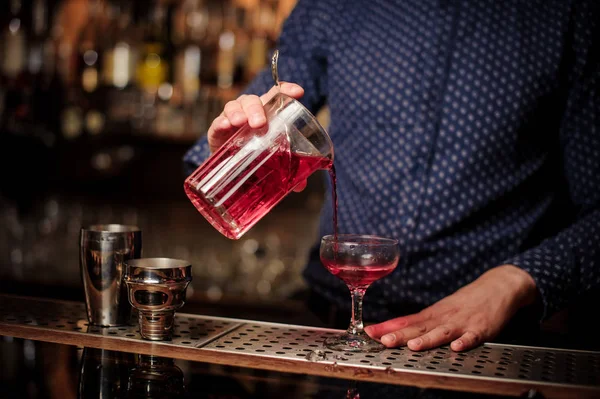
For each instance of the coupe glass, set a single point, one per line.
(358, 260)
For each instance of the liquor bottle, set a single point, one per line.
(189, 30)
(153, 69)
(153, 63)
(14, 43)
(259, 41)
(226, 53)
(89, 57)
(242, 29)
(37, 41)
(66, 80)
(16, 85)
(46, 96)
(118, 66)
(89, 67)
(210, 42)
(190, 33)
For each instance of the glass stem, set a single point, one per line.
(356, 324)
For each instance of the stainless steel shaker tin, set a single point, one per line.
(103, 251)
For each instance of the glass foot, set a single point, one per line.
(353, 343)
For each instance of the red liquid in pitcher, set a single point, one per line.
(356, 276)
(234, 205)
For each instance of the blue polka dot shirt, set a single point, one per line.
(468, 130)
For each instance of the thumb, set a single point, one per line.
(291, 89)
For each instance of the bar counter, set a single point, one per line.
(266, 359)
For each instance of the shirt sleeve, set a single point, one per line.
(568, 265)
(302, 52)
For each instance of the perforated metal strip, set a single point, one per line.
(561, 373)
(490, 360)
(189, 330)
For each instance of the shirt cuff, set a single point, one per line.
(550, 268)
(196, 155)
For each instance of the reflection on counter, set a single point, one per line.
(34, 370)
(104, 373)
(110, 374)
(155, 377)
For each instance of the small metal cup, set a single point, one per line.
(103, 249)
(156, 289)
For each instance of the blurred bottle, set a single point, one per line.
(79, 65)
(209, 47)
(38, 38)
(120, 50)
(153, 64)
(190, 34)
(13, 70)
(153, 69)
(41, 64)
(243, 31)
(89, 66)
(261, 23)
(190, 23)
(14, 43)
(226, 52)
(119, 64)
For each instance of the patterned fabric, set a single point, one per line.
(469, 130)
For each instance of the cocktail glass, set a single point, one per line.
(358, 260)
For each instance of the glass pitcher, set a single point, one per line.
(256, 168)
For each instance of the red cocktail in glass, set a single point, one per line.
(358, 260)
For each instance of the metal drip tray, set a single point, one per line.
(490, 360)
(490, 368)
(188, 330)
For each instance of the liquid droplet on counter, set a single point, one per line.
(363, 373)
(333, 367)
(316, 356)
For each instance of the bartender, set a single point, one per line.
(469, 131)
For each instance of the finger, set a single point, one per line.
(220, 124)
(377, 330)
(291, 89)
(401, 337)
(300, 186)
(438, 336)
(218, 133)
(467, 341)
(254, 110)
(235, 113)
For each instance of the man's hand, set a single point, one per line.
(472, 315)
(247, 109)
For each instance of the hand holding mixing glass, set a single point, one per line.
(256, 168)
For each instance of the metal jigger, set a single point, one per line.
(156, 288)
